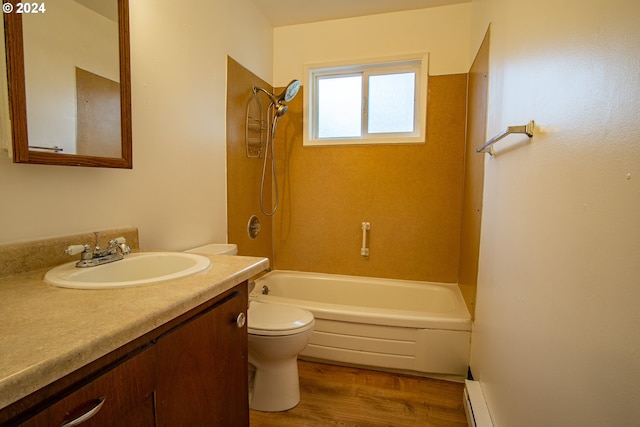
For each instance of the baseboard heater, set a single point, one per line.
(475, 406)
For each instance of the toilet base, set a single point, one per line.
(275, 387)
(273, 352)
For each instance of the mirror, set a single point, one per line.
(69, 82)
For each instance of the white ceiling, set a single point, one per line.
(291, 12)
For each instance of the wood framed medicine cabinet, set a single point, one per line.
(27, 148)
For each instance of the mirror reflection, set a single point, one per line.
(72, 78)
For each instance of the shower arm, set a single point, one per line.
(271, 96)
(287, 94)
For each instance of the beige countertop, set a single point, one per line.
(48, 332)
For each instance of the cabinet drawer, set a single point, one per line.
(127, 392)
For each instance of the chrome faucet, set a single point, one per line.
(93, 256)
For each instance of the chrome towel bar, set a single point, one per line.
(488, 146)
(55, 148)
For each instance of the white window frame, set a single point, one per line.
(417, 63)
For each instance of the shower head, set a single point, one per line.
(287, 95)
(291, 91)
(278, 104)
(281, 109)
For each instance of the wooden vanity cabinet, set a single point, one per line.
(191, 371)
(202, 376)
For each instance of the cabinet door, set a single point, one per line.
(202, 369)
(123, 396)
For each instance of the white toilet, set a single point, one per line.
(277, 333)
(216, 249)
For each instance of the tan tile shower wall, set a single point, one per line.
(474, 175)
(411, 195)
(243, 173)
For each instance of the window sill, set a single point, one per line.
(362, 141)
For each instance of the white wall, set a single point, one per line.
(176, 192)
(557, 333)
(441, 31)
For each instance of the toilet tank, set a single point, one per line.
(216, 249)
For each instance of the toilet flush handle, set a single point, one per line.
(241, 320)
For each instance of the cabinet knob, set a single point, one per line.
(241, 320)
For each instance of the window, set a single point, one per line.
(375, 103)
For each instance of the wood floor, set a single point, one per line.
(339, 396)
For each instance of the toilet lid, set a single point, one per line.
(277, 319)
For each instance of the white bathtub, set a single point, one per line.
(398, 325)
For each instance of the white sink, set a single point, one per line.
(134, 270)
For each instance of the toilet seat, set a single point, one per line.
(277, 319)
